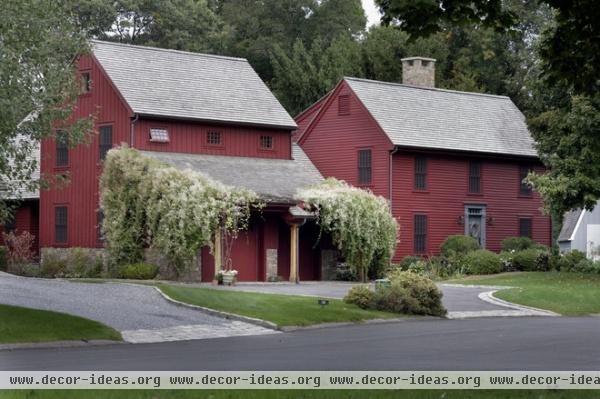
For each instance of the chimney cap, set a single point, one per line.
(418, 58)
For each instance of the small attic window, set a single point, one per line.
(213, 137)
(159, 135)
(344, 105)
(266, 142)
(86, 82)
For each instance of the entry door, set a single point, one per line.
(475, 223)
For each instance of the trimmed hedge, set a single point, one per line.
(517, 244)
(139, 271)
(361, 296)
(568, 261)
(458, 245)
(482, 261)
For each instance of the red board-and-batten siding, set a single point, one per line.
(85, 168)
(332, 142)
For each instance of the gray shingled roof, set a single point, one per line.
(273, 179)
(443, 119)
(178, 84)
(569, 223)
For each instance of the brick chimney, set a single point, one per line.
(418, 71)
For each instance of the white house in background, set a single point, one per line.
(581, 231)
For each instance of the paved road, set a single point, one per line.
(533, 343)
(139, 312)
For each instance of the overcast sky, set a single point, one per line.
(371, 11)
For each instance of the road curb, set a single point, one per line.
(218, 313)
(59, 344)
(489, 297)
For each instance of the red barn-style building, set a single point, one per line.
(202, 112)
(449, 162)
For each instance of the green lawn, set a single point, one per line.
(31, 325)
(278, 394)
(283, 310)
(572, 294)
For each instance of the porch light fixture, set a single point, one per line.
(323, 302)
(461, 220)
(490, 220)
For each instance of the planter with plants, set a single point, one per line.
(228, 277)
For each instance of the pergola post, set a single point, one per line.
(218, 252)
(294, 240)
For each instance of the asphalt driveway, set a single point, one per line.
(140, 313)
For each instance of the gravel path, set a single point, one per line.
(141, 313)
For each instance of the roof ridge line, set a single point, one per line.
(161, 49)
(381, 82)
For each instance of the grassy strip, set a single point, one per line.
(322, 394)
(283, 310)
(571, 294)
(19, 325)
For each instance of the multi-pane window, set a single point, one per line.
(213, 137)
(105, 141)
(266, 142)
(420, 233)
(62, 148)
(524, 188)
(344, 104)
(60, 224)
(525, 227)
(159, 135)
(475, 177)
(99, 221)
(364, 166)
(86, 82)
(420, 173)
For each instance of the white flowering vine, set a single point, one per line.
(359, 222)
(147, 203)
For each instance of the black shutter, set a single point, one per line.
(105, 141)
(420, 233)
(525, 228)
(62, 148)
(60, 224)
(364, 166)
(420, 173)
(474, 176)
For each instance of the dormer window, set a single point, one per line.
(266, 142)
(159, 135)
(213, 137)
(86, 82)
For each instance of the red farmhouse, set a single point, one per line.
(449, 162)
(195, 111)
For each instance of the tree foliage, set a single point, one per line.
(360, 223)
(148, 204)
(39, 43)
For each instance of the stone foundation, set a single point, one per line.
(272, 264)
(328, 264)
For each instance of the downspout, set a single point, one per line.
(390, 184)
(132, 131)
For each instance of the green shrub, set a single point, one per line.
(83, 264)
(458, 245)
(407, 261)
(566, 262)
(411, 294)
(531, 260)
(482, 261)
(517, 244)
(52, 266)
(360, 296)
(587, 266)
(3, 258)
(139, 271)
(420, 267)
